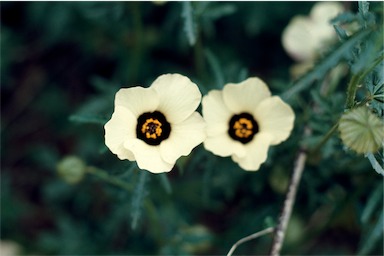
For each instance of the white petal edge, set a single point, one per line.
(245, 96)
(298, 39)
(137, 99)
(257, 153)
(147, 157)
(214, 109)
(275, 117)
(223, 145)
(323, 12)
(179, 96)
(121, 127)
(184, 137)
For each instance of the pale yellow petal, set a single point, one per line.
(223, 145)
(257, 152)
(184, 137)
(214, 108)
(148, 157)
(299, 40)
(275, 117)
(137, 99)
(179, 96)
(121, 127)
(245, 96)
(323, 12)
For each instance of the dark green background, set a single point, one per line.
(60, 59)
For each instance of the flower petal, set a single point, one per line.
(214, 108)
(119, 128)
(257, 152)
(215, 113)
(245, 96)
(223, 145)
(298, 39)
(183, 138)
(179, 96)
(137, 99)
(147, 157)
(323, 12)
(275, 117)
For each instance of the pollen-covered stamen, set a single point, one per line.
(152, 128)
(243, 127)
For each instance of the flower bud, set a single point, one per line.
(361, 130)
(71, 169)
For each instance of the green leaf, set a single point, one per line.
(363, 8)
(374, 237)
(345, 17)
(375, 199)
(190, 26)
(216, 68)
(341, 32)
(88, 119)
(165, 182)
(138, 198)
(330, 61)
(220, 10)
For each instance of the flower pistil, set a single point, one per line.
(242, 127)
(152, 128)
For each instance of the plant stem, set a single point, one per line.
(351, 91)
(289, 200)
(110, 179)
(250, 237)
(325, 138)
(355, 81)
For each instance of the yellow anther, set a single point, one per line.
(152, 128)
(243, 128)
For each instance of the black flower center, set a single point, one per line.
(152, 128)
(242, 127)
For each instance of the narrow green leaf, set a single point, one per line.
(341, 32)
(138, 198)
(216, 68)
(375, 236)
(363, 8)
(375, 199)
(88, 119)
(165, 183)
(190, 26)
(330, 61)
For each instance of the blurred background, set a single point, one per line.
(62, 63)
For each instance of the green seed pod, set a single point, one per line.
(71, 169)
(361, 130)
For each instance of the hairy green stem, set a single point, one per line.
(101, 174)
(351, 91)
(356, 80)
(326, 137)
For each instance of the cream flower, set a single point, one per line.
(243, 120)
(306, 36)
(155, 126)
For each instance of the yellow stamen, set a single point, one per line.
(152, 128)
(243, 128)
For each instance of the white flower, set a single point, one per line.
(155, 126)
(306, 36)
(243, 120)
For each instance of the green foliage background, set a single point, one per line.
(62, 63)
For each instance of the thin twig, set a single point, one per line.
(289, 200)
(250, 237)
